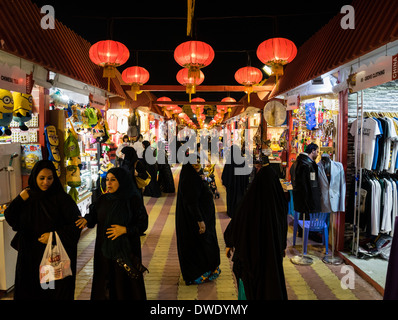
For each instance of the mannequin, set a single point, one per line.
(332, 184)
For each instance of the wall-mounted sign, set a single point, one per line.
(293, 102)
(383, 70)
(12, 78)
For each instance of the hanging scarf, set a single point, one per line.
(119, 214)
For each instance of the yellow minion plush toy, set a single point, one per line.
(23, 104)
(6, 110)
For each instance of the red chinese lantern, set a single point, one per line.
(194, 55)
(136, 77)
(109, 54)
(223, 109)
(190, 82)
(248, 76)
(276, 53)
(197, 109)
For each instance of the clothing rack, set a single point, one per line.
(359, 170)
(358, 178)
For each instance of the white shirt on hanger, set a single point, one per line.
(375, 212)
(386, 219)
(370, 131)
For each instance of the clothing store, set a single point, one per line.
(372, 162)
(330, 110)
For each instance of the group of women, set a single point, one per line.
(256, 233)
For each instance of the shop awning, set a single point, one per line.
(332, 46)
(59, 50)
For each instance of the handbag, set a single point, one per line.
(134, 271)
(55, 264)
(141, 183)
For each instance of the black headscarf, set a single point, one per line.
(258, 232)
(34, 191)
(120, 214)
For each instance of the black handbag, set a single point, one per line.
(135, 270)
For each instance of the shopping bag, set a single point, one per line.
(55, 264)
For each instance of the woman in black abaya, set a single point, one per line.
(257, 233)
(165, 180)
(235, 185)
(120, 218)
(152, 189)
(41, 208)
(197, 245)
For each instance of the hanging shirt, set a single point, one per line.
(370, 131)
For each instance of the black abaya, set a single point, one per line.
(197, 253)
(110, 281)
(235, 185)
(42, 212)
(258, 232)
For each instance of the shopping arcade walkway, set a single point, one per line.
(164, 282)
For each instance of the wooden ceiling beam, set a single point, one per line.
(206, 103)
(180, 88)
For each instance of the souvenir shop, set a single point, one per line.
(234, 130)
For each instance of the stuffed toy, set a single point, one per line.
(23, 104)
(52, 143)
(6, 110)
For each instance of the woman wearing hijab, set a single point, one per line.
(41, 208)
(198, 250)
(235, 185)
(132, 164)
(152, 189)
(165, 179)
(257, 233)
(120, 218)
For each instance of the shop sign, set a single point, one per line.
(97, 101)
(376, 73)
(293, 102)
(12, 78)
(395, 67)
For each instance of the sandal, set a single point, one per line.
(215, 274)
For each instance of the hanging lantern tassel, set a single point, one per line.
(135, 88)
(194, 72)
(109, 72)
(277, 70)
(191, 89)
(248, 90)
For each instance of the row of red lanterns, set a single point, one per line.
(193, 56)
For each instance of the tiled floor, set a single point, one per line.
(318, 281)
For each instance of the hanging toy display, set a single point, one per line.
(310, 115)
(72, 151)
(6, 111)
(52, 143)
(23, 104)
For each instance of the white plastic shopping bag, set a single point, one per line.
(55, 264)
